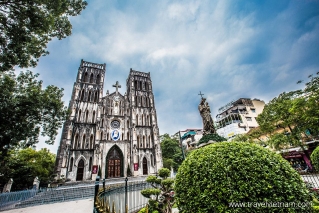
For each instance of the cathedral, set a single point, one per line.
(116, 133)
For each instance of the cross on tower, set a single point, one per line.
(200, 93)
(117, 85)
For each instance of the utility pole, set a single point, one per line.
(180, 141)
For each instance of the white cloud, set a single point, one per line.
(192, 46)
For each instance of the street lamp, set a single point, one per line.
(180, 141)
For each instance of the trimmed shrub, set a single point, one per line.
(213, 177)
(213, 137)
(315, 158)
(161, 196)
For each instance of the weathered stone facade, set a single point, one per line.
(118, 133)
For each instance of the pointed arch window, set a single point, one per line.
(128, 136)
(136, 120)
(140, 85)
(138, 141)
(91, 78)
(86, 77)
(128, 123)
(83, 141)
(149, 141)
(144, 141)
(93, 117)
(79, 115)
(107, 136)
(82, 95)
(71, 164)
(89, 98)
(98, 79)
(86, 116)
(142, 120)
(95, 96)
(76, 140)
(102, 122)
(90, 164)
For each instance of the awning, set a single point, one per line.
(188, 134)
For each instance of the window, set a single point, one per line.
(98, 79)
(86, 77)
(90, 164)
(71, 164)
(253, 110)
(91, 78)
(248, 118)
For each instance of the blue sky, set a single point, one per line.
(226, 49)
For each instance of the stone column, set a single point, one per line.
(7, 187)
(36, 183)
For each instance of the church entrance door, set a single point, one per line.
(145, 166)
(79, 174)
(114, 164)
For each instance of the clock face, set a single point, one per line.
(116, 98)
(115, 124)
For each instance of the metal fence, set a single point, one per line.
(10, 199)
(28, 198)
(124, 197)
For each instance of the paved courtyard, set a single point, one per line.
(77, 206)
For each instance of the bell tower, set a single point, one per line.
(78, 138)
(146, 150)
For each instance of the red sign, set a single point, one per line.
(135, 166)
(94, 169)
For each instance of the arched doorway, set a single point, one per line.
(114, 163)
(145, 172)
(79, 174)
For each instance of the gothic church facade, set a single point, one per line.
(117, 133)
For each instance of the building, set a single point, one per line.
(238, 117)
(190, 137)
(117, 133)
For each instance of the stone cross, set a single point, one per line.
(200, 93)
(117, 85)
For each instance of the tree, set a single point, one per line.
(27, 26)
(212, 137)
(161, 196)
(292, 117)
(171, 152)
(310, 103)
(26, 164)
(282, 122)
(26, 110)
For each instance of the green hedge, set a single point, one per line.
(315, 158)
(218, 174)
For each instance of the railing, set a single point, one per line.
(123, 197)
(28, 198)
(10, 199)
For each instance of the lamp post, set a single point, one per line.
(180, 141)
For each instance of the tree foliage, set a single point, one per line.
(213, 137)
(315, 158)
(216, 175)
(287, 118)
(26, 109)
(171, 152)
(27, 26)
(161, 196)
(26, 164)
